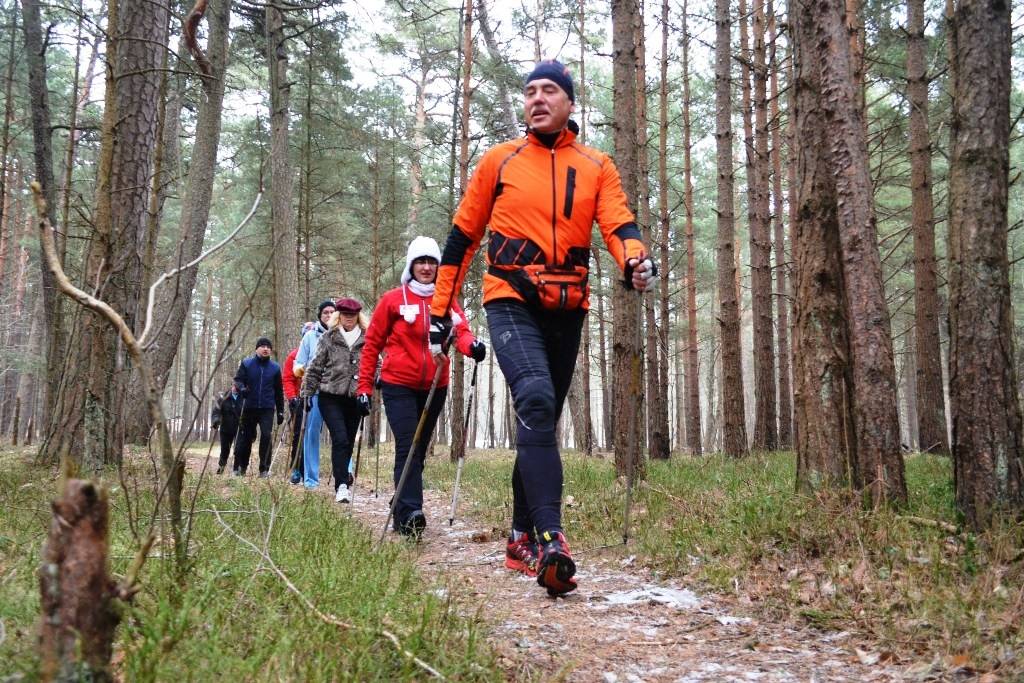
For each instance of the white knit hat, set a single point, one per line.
(419, 247)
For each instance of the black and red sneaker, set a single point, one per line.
(521, 555)
(555, 568)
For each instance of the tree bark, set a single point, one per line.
(931, 410)
(879, 459)
(781, 263)
(627, 358)
(43, 156)
(286, 278)
(692, 359)
(78, 594)
(734, 425)
(765, 429)
(823, 398)
(658, 336)
(987, 449)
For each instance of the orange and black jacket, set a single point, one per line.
(540, 204)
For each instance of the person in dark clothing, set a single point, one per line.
(259, 379)
(539, 198)
(227, 410)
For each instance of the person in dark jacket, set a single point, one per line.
(227, 409)
(259, 379)
(333, 374)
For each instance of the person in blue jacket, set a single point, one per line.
(314, 420)
(259, 381)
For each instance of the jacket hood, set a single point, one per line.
(420, 246)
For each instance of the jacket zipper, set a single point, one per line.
(259, 394)
(426, 321)
(554, 210)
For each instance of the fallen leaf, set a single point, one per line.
(867, 658)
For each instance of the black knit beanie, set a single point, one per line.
(264, 341)
(324, 304)
(555, 71)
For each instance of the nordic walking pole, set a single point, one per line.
(412, 449)
(376, 475)
(637, 379)
(462, 453)
(359, 449)
(299, 452)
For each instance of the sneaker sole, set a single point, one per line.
(520, 566)
(557, 576)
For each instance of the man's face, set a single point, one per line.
(325, 314)
(424, 270)
(547, 107)
(263, 351)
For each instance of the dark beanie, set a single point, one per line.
(555, 71)
(263, 341)
(324, 304)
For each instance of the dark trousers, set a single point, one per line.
(403, 407)
(228, 430)
(341, 415)
(536, 351)
(251, 418)
(296, 410)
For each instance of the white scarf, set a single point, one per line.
(350, 336)
(421, 289)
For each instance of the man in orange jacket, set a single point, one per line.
(540, 196)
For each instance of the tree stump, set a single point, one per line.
(79, 614)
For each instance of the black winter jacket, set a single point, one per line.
(227, 410)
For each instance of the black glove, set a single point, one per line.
(293, 404)
(216, 424)
(478, 350)
(364, 403)
(280, 417)
(650, 273)
(440, 330)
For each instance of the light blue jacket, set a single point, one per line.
(308, 345)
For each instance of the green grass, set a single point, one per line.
(234, 619)
(739, 527)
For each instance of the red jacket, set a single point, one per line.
(291, 382)
(406, 345)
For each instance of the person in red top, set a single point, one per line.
(539, 196)
(295, 406)
(400, 328)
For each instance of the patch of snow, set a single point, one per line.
(670, 597)
(728, 620)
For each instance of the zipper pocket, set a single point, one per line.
(570, 189)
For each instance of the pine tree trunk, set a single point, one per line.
(627, 351)
(286, 279)
(931, 410)
(879, 459)
(987, 449)
(458, 383)
(781, 264)
(175, 296)
(734, 421)
(607, 417)
(658, 346)
(692, 359)
(42, 153)
(765, 430)
(823, 403)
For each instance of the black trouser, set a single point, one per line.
(251, 418)
(536, 351)
(341, 415)
(296, 410)
(403, 407)
(228, 430)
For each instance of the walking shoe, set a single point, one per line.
(521, 555)
(296, 476)
(264, 475)
(413, 525)
(342, 495)
(220, 469)
(555, 568)
(238, 473)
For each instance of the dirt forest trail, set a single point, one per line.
(621, 625)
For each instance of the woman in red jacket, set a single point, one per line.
(400, 327)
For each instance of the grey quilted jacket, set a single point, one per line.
(335, 368)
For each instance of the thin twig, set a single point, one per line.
(323, 616)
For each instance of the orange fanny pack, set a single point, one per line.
(548, 287)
